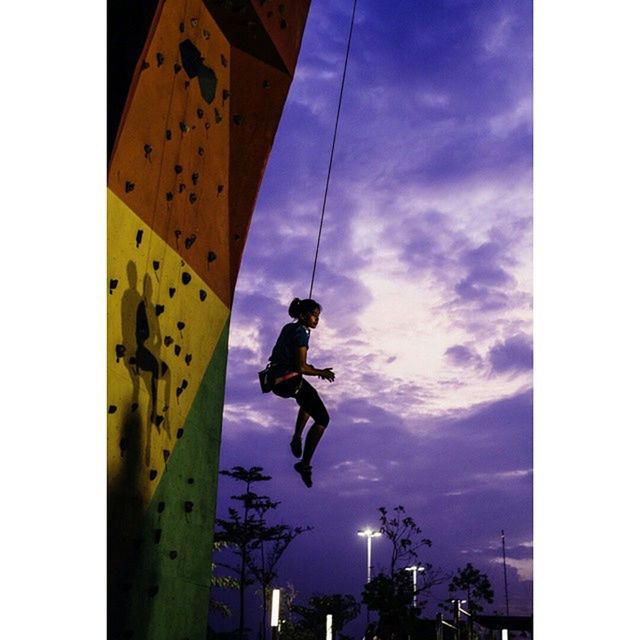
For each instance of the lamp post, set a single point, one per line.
(275, 613)
(414, 569)
(369, 534)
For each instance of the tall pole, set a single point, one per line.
(368, 533)
(414, 569)
(504, 566)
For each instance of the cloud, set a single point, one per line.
(463, 356)
(512, 355)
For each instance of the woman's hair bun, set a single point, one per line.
(298, 306)
(294, 308)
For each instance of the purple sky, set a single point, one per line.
(425, 277)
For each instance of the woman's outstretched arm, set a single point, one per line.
(308, 369)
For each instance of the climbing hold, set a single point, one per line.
(134, 407)
(138, 238)
(236, 236)
(192, 198)
(211, 256)
(266, 84)
(188, 506)
(167, 134)
(158, 420)
(220, 188)
(169, 196)
(194, 178)
(123, 445)
(153, 590)
(181, 187)
(180, 325)
(177, 349)
(163, 368)
(200, 151)
(199, 112)
(203, 295)
(223, 60)
(165, 454)
(112, 285)
(112, 408)
(179, 433)
(120, 351)
(190, 481)
(238, 119)
(168, 340)
(171, 291)
(184, 127)
(145, 65)
(153, 474)
(156, 265)
(188, 243)
(173, 554)
(207, 125)
(194, 22)
(205, 34)
(159, 58)
(186, 277)
(225, 94)
(217, 115)
(188, 358)
(176, 68)
(177, 233)
(129, 186)
(184, 384)
(179, 391)
(178, 168)
(157, 534)
(181, 27)
(161, 506)
(147, 150)
(159, 309)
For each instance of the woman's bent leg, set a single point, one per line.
(311, 442)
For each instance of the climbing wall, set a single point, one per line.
(205, 93)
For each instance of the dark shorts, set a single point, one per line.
(306, 396)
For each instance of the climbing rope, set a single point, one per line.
(333, 146)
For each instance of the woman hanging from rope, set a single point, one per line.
(288, 367)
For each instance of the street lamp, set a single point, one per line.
(369, 534)
(414, 569)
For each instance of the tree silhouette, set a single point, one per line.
(392, 594)
(476, 587)
(258, 545)
(243, 526)
(312, 618)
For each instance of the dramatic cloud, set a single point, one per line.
(424, 274)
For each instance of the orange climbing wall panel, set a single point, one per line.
(170, 163)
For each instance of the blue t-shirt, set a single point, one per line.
(283, 356)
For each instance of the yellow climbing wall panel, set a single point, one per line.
(185, 321)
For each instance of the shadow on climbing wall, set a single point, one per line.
(140, 350)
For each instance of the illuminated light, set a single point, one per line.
(505, 634)
(275, 607)
(329, 626)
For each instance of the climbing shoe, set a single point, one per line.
(305, 472)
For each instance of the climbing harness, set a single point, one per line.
(333, 145)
